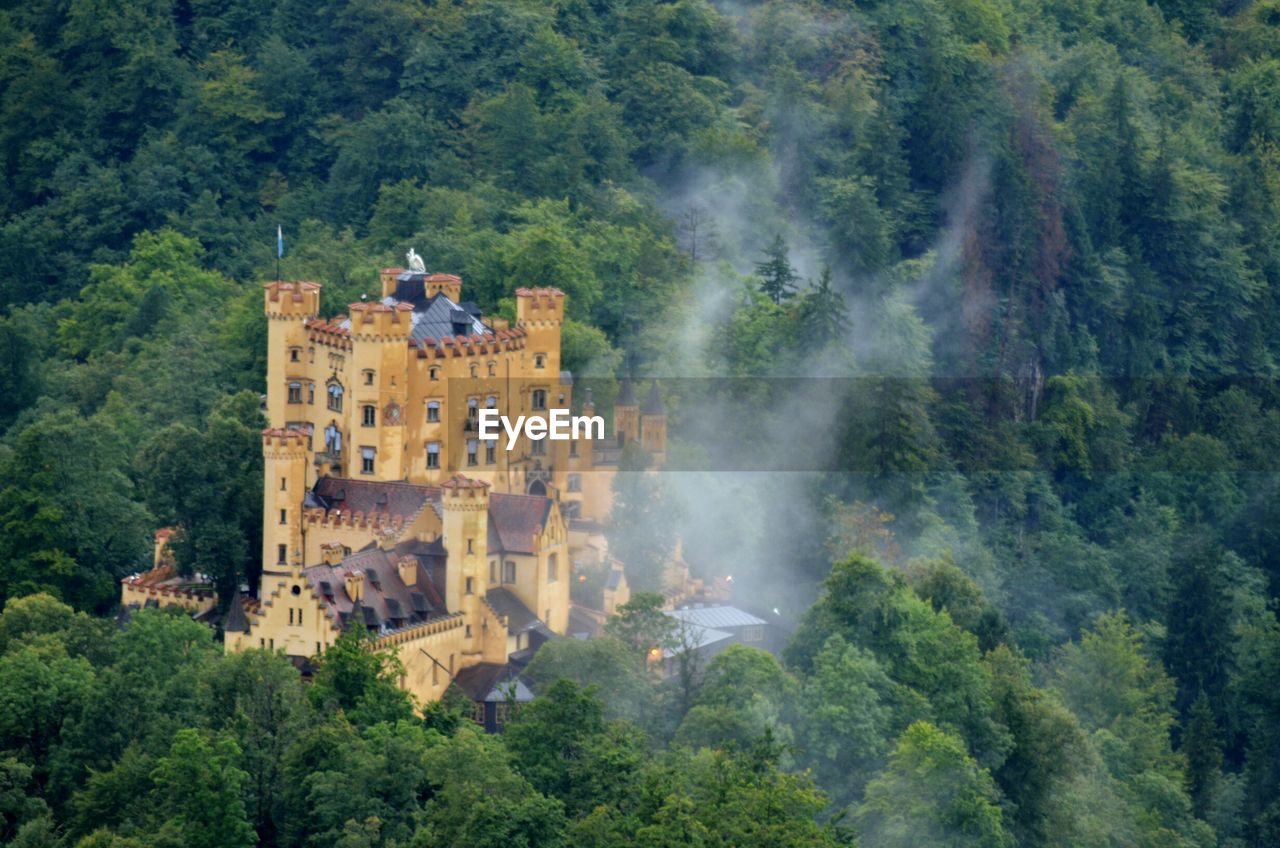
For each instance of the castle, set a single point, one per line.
(382, 508)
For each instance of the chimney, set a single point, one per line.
(388, 277)
(408, 570)
(386, 538)
(355, 585)
(331, 553)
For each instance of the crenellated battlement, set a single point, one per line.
(381, 321)
(286, 300)
(539, 305)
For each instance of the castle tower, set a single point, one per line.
(540, 313)
(288, 306)
(284, 455)
(626, 413)
(653, 425)
(375, 418)
(466, 539)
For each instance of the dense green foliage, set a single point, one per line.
(1025, 253)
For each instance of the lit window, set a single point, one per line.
(433, 455)
(366, 460)
(369, 415)
(433, 410)
(539, 398)
(295, 393)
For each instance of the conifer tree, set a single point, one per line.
(777, 278)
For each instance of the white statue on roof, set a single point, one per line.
(415, 261)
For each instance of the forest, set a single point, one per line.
(966, 312)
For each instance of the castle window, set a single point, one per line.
(335, 397)
(575, 482)
(475, 370)
(472, 447)
(295, 354)
(368, 377)
(468, 631)
(553, 570)
(509, 572)
(433, 454)
(311, 392)
(537, 447)
(493, 368)
(282, 553)
(473, 411)
(493, 571)
(297, 590)
(295, 393)
(284, 483)
(284, 516)
(539, 398)
(290, 615)
(433, 373)
(433, 410)
(369, 416)
(490, 451)
(573, 447)
(491, 402)
(471, 546)
(471, 585)
(311, 354)
(333, 439)
(366, 460)
(539, 360)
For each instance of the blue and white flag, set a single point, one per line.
(279, 242)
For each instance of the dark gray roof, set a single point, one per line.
(389, 603)
(504, 602)
(236, 621)
(626, 393)
(490, 682)
(653, 403)
(436, 316)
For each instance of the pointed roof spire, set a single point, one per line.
(235, 620)
(653, 404)
(626, 393)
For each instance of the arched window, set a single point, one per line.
(434, 372)
(368, 376)
(493, 368)
(335, 397)
(475, 370)
(491, 401)
(433, 410)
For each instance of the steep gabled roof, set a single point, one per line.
(653, 404)
(371, 497)
(514, 521)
